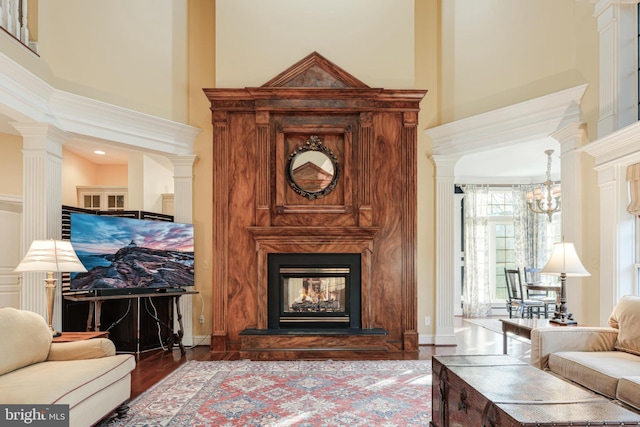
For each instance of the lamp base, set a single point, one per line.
(54, 333)
(563, 319)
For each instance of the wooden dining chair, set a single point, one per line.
(517, 302)
(532, 276)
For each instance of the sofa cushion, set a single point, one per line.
(629, 391)
(84, 349)
(25, 339)
(596, 370)
(63, 382)
(626, 318)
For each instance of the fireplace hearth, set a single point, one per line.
(314, 290)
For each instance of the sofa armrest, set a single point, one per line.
(85, 349)
(545, 341)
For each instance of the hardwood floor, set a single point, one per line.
(153, 366)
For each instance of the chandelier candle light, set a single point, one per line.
(546, 198)
(50, 256)
(564, 262)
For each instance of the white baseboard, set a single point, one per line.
(197, 340)
(424, 339)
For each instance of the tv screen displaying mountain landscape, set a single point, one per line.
(124, 254)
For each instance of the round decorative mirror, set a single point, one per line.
(313, 169)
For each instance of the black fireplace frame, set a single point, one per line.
(276, 261)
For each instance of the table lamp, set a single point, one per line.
(50, 256)
(564, 262)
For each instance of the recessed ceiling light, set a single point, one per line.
(100, 152)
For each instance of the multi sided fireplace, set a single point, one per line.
(316, 290)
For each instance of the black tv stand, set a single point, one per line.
(103, 292)
(95, 311)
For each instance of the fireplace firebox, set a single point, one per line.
(316, 290)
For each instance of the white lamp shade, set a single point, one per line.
(50, 255)
(564, 259)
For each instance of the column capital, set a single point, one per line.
(182, 165)
(571, 137)
(603, 5)
(41, 136)
(445, 165)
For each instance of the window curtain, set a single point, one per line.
(532, 236)
(477, 292)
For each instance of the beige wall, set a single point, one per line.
(78, 171)
(202, 74)
(500, 52)
(371, 39)
(130, 53)
(11, 165)
(158, 179)
(427, 76)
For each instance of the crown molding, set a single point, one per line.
(619, 147)
(24, 97)
(525, 121)
(86, 117)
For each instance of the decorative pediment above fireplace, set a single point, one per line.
(355, 193)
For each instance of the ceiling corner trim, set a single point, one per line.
(24, 97)
(536, 118)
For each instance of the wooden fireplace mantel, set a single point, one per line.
(270, 240)
(370, 209)
(314, 234)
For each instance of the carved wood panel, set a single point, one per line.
(371, 210)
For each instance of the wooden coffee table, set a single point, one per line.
(499, 390)
(523, 328)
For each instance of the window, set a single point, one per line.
(102, 198)
(115, 202)
(91, 201)
(504, 254)
(502, 240)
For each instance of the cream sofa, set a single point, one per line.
(86, 375)
(603, 359)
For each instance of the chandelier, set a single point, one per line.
(545, 199)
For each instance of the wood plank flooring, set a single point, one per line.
(153, 366)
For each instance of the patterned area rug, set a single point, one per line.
(296, 393)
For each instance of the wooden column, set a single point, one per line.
(366, 142)
(410, 226)
(220, 231)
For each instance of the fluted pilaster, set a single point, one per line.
(613, 154)
(571, 138)
(183, 212)
(608, 182)
(42, 205)
(617, 96)
(445, 248)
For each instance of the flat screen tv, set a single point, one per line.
(126, 255)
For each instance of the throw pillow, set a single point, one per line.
(626, 318)
(25, 339)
